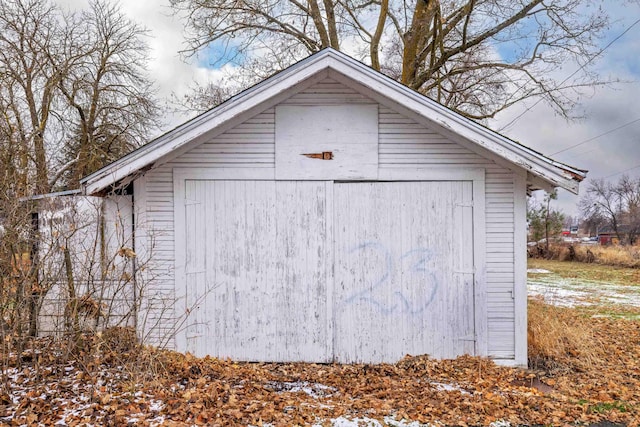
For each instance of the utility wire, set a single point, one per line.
(618, 173)
(512, 122)
(596, 137)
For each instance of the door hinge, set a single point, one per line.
(472, 271)
(325, 155)
(189, 202)
(468, 338)
(465, 204)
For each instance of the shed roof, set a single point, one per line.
(542, 171)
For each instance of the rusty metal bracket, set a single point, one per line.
(325, 155)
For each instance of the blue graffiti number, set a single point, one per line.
(416, 262)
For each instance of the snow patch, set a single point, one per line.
(370, 422)
(448, 387)
(538, 271)
(565, 292)
(314, 390)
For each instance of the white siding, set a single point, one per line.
(93, 230)
(400, 274)
(403, 143)
(250, 145)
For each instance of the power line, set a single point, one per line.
(596, 137)
(618, 173)
(512, 122)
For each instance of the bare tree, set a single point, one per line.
(476, 56)
(628, 190)
(203, 97)
(29, 32)
(106, 87)
(73, 96)
(603, 201)
(74, 92)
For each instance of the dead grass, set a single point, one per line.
(588, 272)
(617, 256)
(560, 339)
(591, 365)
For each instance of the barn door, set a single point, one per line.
(403, 270)
(256, 269)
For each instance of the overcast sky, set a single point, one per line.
(606, 110)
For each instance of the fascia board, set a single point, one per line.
(440, 116)
(443, 117)
(182, 135)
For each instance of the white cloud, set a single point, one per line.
(607, 109)
(539, 128)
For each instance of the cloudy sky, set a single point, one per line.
(606, 140)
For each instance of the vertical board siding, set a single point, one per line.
(401, 251)
(93, 229)
(249, 145)
(256, 284)
(403, 143)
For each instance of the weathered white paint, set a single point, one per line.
(404, 270)
(520, 271)
(257, 263)
(347, 133)
(255, 257)
(93, 230)
(231, 156)
(303, 74)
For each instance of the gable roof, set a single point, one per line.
(542, 171)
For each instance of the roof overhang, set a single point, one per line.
(542, 172)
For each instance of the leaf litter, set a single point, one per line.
(149, 387)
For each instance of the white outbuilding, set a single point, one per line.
(330, 213)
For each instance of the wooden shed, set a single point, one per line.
(330, 213)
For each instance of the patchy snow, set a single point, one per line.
(370, 422)
(538, 271)
(560, 294)
(448, 387)
(314, 390)
(572, 292)
(390, 421)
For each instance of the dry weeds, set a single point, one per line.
(592, 366)
(617, 256)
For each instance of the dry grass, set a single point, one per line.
(561, 339)
(617, 256)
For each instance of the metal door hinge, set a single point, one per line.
(325, 155)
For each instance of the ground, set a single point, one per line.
(585, 368)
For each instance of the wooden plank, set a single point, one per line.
(402, 267)
(348, 132)
(260, 290)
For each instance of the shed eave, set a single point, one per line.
(557, 174)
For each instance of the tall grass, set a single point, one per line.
(560, 338)
(617, 256)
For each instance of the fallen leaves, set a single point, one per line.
(143, 386)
